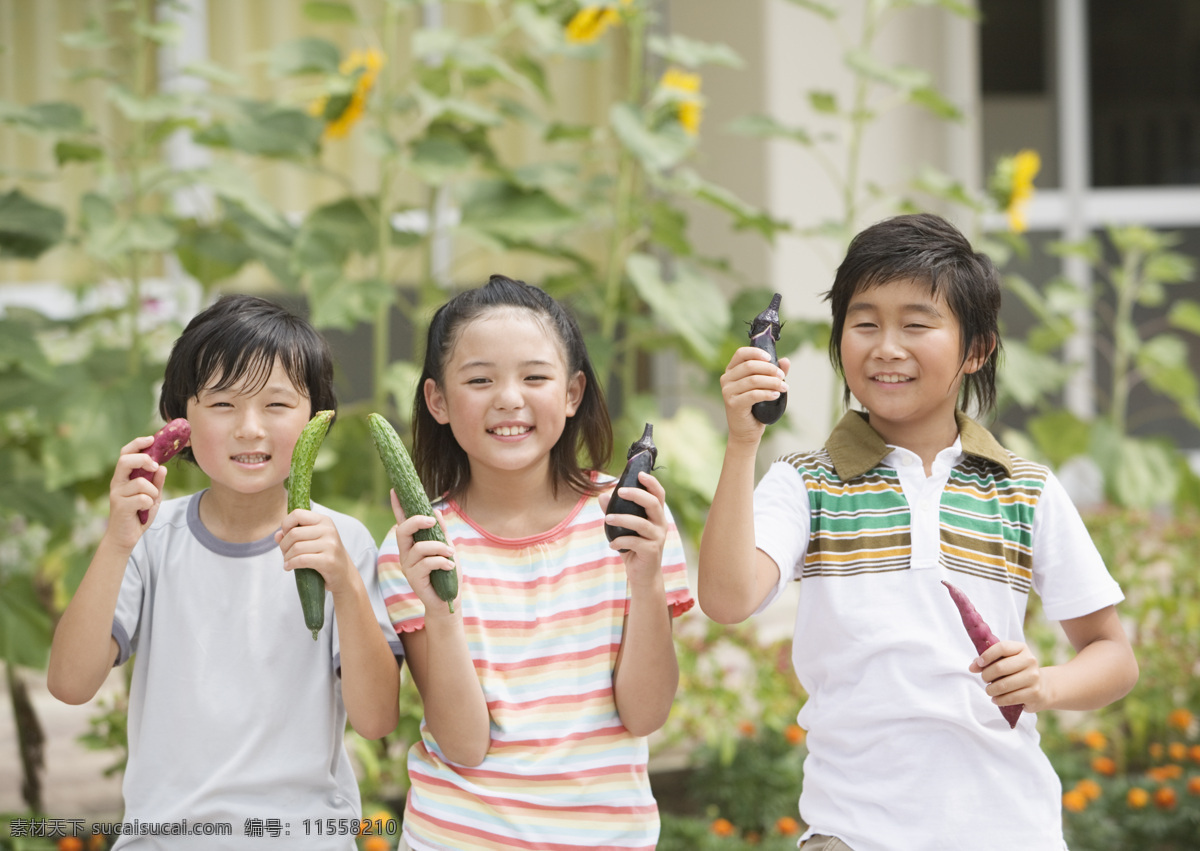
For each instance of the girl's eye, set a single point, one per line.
(477, 381)
(537, 378)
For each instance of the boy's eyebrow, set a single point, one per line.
(925, 307)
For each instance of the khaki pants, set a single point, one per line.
(825, 843)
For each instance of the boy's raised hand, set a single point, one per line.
(644, 552)
(750, 378)
(127, 496)
(310, 539)
(420, 558)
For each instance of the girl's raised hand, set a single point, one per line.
(750, 378)
(643, 559)
(126, 496)
(420, 558)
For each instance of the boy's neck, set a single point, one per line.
(926, 440)
(243, 518)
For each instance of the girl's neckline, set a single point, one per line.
(526, 540)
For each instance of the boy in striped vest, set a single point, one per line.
(907, 748)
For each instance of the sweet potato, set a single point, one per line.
(982, 637)
(168, 440)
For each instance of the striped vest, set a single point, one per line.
(861, 520)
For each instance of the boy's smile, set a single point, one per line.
(902, 356)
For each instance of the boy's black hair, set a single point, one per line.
(926, 248)
(238, 339)
(441, 462)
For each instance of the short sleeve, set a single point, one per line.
(128, 613)
(1069, 574)
(361, 547)
(405, 611)
(781, 522)
(674, 569)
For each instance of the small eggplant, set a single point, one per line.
(642, 455)
(764, 333)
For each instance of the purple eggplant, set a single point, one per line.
(764, 333)
(642, 455)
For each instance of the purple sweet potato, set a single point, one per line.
(168, 440)
(983, 638)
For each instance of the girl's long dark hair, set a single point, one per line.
(441, 463)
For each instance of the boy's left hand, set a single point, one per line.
(1013, 675)
(309, 539)
(643, 559)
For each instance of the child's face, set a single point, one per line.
(506, 392)
(902, 356)
(243, 440)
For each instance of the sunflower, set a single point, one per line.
(343, 111)
(685, 88)
(591, 22)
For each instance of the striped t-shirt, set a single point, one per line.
(543, 617)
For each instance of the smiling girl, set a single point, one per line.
(557, 660)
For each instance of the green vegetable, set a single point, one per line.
(309, 582)
(411, 493)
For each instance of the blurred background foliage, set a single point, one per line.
(605, 208)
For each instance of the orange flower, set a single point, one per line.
(1156, 750)
(1137, 797)
(97, 842)
(376, 843)
(794, 734)
(1095, 740)
(1180, 719)
(70, 843)
(722, 827)
(746, 728)
(1090, 788)
(1105, 765)
(1164, 798)
(1193, 785)
(1075, 801)
(1163, 773)
(342, 112)
(1194, 753)
(1177, 751)
(787, 826)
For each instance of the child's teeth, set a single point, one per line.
(510, 431)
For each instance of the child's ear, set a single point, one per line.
(435, 401)
(980, 352)
(575, 388)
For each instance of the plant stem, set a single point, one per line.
(1124, 336)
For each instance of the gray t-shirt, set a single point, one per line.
(235, 712)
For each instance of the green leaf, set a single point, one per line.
(505, 210)
(935, 102)
(905, 78)
(307, 55)
(77, 152)
(213, 73)
(1060, 435)
(165, 33)
(55, 117)
(151, 233)
(691, 53)
(267, 130)
(1141, 473)
(25, 626)
(668, 228)
(28, 228)
(823, 102)
(691, 305)
(766, 127)
(657, 151)
(330, 12)
(1185, 315)
(341, 303)
(1027, 376)
(92, 38)
(211, 253)
(158, 107)
(745, 216)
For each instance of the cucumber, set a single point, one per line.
(411, 493)
(309, 582)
